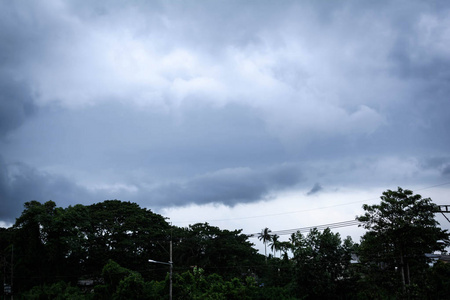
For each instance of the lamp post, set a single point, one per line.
(170, 263)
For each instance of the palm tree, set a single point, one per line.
(275, 245)
(265, 237)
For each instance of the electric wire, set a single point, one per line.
(307, 229)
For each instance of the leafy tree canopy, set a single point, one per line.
(213, 249)
(404, 223)
(401, 229)
(321, 259)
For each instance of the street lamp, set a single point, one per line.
(170, 263)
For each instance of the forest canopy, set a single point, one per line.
(102, 251)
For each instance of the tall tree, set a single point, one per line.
(275, 245)
(125, 233)
(212, 249)
(52, 243)
(265, 237)
(37, 245)
(401, 229)
(321, 263)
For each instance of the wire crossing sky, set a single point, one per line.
(307, 229)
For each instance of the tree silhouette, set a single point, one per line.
(275, 245)
(265, 237)
(402, 228)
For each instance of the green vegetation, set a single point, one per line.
(102, 251)
(400, 230)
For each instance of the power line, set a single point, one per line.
(282, 213)
(306, 210)
(433, 186)
(307, 229)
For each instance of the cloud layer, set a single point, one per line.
(170, 103)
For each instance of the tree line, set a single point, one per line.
(102, 251)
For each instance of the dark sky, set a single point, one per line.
(221, 105)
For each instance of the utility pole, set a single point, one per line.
(12, 271)
(8, 288)
(170, 263)
(443, 209)
(171, 266)
(4, 274)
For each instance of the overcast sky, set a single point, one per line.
(245, 114)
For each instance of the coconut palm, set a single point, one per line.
(265, 237)
(275, 245)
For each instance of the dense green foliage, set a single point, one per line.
(102, 251)
(228, 253)
(321, 263)
(53, 244)
(401, 229)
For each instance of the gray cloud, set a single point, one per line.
(16, 104)
(446, 170)
(438, 164)
(219, 102)
(315, 189)
(229, 186)
(20, 183)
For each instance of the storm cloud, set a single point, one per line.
(16, 104)
(20, 183)
(176, 103)
(229, 186)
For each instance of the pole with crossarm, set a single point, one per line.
(170, 263)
